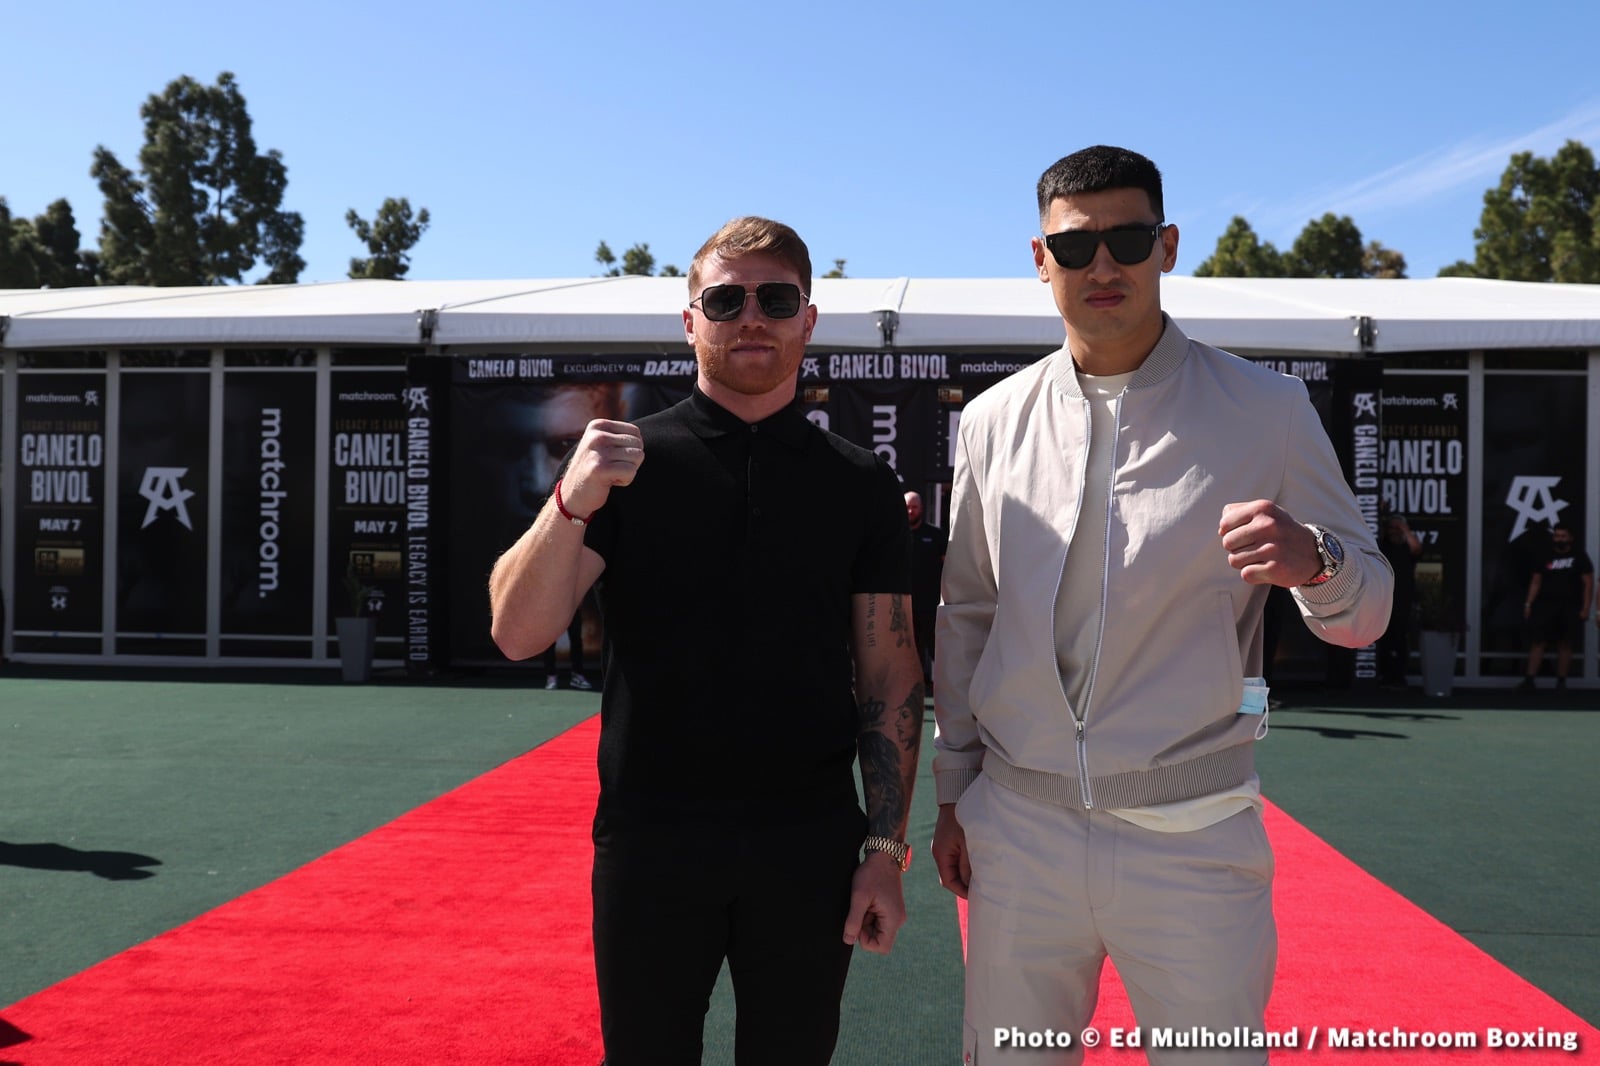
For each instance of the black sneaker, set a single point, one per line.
(1561, 684)
(1527, 685)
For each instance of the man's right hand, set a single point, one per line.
(949, 851)
(608, 455)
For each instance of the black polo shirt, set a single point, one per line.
(730, 565)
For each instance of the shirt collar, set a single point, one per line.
(1165, 358)
(707, 419)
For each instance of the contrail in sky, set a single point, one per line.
(1442, 169)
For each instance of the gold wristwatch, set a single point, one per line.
(898, 850)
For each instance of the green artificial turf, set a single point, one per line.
(132, 803)
(1479, 808)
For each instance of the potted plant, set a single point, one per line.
(1440, 622)
(357, 631)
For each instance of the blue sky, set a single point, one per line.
(904, 138)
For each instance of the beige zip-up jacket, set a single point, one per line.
(1197, 428)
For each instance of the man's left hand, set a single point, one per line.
(877, 904)
(1267, 546)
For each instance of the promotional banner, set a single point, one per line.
(366, 499)
(60, 526)
(163, 471)
(427, 563)
(1425, 479)
(1345, 394)
(1532, 478)
(509, 442)
(895, 420)
(268, 506)
(818, 369)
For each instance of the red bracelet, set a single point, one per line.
(568, 515)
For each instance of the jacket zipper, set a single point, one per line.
(1105, 581)
(1078, 719)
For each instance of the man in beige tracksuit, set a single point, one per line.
(1120, 510)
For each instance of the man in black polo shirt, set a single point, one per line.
(753, 575)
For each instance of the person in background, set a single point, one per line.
(1401, 546)
(927, 564)
(1557, 605)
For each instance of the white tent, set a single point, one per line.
(1244, 314)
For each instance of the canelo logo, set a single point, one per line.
(1531, 498)
(162, 488)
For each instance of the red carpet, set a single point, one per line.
(459, 933)
(1355, 955)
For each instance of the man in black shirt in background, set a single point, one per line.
(752, 573)
(928, 543)
(1557, 605)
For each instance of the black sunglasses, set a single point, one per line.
(1075, 248)
(777, 299)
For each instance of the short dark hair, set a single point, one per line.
(751, 235)
(1096, 170)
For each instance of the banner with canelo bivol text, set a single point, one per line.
(366, 500)
(269, 437)
(428, 563)
(1425, 479)
(60, 522)
(1346, 395)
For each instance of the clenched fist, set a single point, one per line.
(608, 454)
(1267, 546)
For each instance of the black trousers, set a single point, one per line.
(575, 639)
(673, 898)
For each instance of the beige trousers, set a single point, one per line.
(1186, 917)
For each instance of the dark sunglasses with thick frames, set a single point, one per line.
(777, 299)
(1076, 248)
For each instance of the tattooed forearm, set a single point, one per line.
(899, 624)
(869, 715)
(908, 721)
(882, 780)
(888, 744)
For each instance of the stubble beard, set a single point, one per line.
(746, 375)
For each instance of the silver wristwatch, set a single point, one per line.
(1330, 550)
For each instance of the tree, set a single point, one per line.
(1380, 262)
(44, 252)
(638, 260)
(390, 236)
(18, 268)
(208, 206)
(837, 271)
(1539, 222)
(1241, 254)
(62, 262)
(1328, 247)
